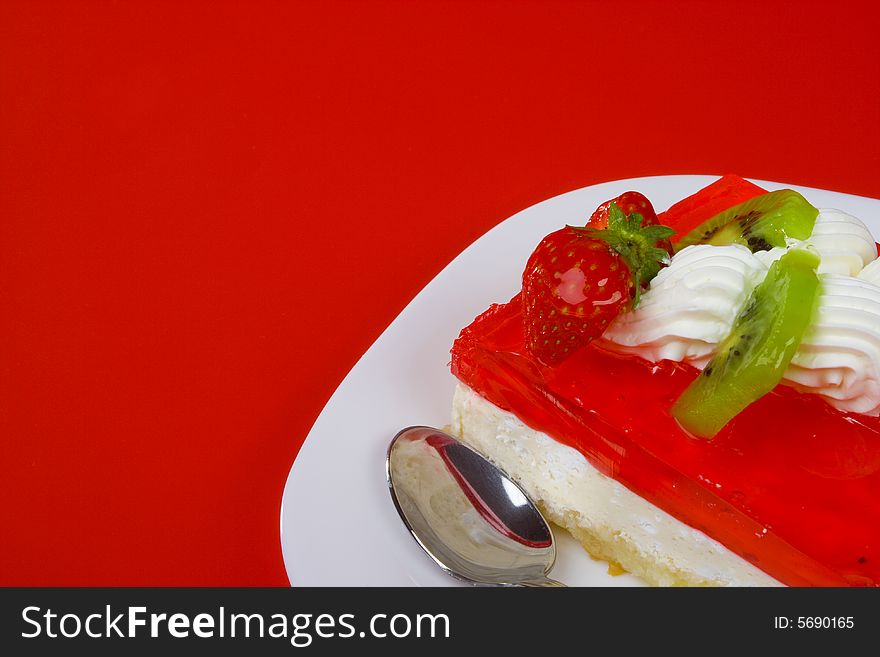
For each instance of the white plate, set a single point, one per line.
(338, 524)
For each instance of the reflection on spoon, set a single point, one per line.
(469, 516)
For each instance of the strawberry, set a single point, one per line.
(629, 203)
(579, 279)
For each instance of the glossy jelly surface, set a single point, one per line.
(790, 484)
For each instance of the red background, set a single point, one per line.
(209, 211)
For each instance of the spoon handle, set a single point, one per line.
(541, 582)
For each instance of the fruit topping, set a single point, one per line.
(629, 203)
(752, 359)
(578, 279)
(760, 223)
(701, 206)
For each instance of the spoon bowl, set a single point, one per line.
(475, 522)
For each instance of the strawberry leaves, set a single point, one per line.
(636, 244)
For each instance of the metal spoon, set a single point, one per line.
(468, 515)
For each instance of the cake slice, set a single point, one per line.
(787, 493)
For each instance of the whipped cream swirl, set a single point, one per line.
(691, 305)
(843, 242)
(839, 356)
(871, 273)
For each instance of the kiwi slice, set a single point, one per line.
(752, 359)
(760, 223)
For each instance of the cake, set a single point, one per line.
(786, 493)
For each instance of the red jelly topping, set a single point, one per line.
(791, 484)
